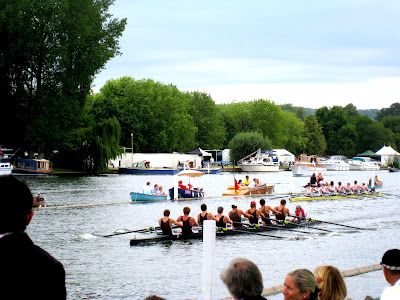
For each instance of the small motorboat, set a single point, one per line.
(38, 201)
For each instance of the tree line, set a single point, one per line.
(51, 52)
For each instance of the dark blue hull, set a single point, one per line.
(186, 193)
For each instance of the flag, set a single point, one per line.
(236, 184)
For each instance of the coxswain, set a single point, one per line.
(166, 223)
(187, 221)
(204, 215)
(264, 212)
(377, 181)
(253, 212)
(236, 216)
(299, 214)
(320, 177)
(282, 211)
(221, 219)
(246, 181)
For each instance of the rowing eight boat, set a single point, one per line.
(259, 230)
(335, 197)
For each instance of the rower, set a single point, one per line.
(236, 216)
(187, 221)
(253, 212)
(166, 223)
(282, 210)
(221, 219)
(204, 215)
(264, 212)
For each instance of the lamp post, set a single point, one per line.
(132, 146)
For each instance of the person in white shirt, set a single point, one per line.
(147, 188)
(391, 271)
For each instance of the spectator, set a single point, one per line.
(154, 297)
(300, 285)
(26, 270)
(330, 282)
(391, 271)
(243, 280)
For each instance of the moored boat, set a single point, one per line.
(140, 197)
(143, 168)
(32, 166)
(263, 189)
(260, 161)
(38, 201)
(306, 165)
(5, 167)
(358, 163)
(336, 163)
(186, 193)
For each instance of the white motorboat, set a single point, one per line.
(359, 163)
(307, 165)
(5, 167)
(336, 163)
(260, 161)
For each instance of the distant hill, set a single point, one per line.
(302, 112)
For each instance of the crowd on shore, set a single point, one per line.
(24, 265)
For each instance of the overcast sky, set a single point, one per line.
(308, 53)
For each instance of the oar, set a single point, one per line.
(131, 231)
(258, 233)
(338, 224)
(283, 228)
(305, 226)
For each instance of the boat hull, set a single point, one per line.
(336, 166)
(149, 171)
(5, 168)
(259, 168)
(299, 169)
(260, 190)
(219, 233)
(182, 193)
(336, 197)
(140, 197)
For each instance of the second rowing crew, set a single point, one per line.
(232, 219)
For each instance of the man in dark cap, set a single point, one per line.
(391, 270)
(26, 270)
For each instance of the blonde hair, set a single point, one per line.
(305, 281)
(331, 283)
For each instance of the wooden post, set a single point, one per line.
(207, 278)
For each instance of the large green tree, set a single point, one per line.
(244, 143)
(316, 143)
(49, 55)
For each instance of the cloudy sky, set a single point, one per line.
(308, 53)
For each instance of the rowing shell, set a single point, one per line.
(220, 233)
(336, 197)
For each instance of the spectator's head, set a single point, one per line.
(203, 207)
(154, 297)
(243, 278)
(330, 282)
(167, 213)
(300, 284)
(16, 211)
(391, 265)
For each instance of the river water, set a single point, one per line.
(81, 209)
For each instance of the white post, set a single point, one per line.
(208, 280)
(175, 186)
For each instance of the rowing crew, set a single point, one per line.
(233, 219)
(325, 189)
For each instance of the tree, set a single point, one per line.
(316, 143)
(49, 55)
(393, 110)
(210, 126)
(245, 143)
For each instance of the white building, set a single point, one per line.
(284, 156)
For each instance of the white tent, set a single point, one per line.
(388, 154)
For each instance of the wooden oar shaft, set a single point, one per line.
(258, 233)
(338, 224)
(132, 231)
(305, 226)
